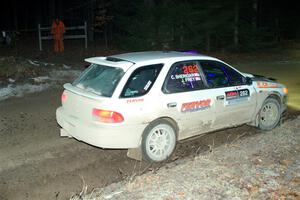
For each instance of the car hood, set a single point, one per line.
(256, 77)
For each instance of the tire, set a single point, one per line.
(158, 141)
(269, 114)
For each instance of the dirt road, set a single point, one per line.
(35, 163)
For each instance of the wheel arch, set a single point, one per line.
(275, 95)
(161, 120)
(170, 120)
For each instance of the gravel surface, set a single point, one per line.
(36, 163)
(262, 166)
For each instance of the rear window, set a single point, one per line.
(99, 79)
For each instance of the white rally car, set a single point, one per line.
(149, 100)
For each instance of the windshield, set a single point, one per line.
(99, 79)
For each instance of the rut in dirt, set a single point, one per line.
(38, 164)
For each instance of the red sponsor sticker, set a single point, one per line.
(231, 94)
(195, 105)
(190, 69)
(261, 84)
(135, 100)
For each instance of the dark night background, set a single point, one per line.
(209, 25)
(255, 36)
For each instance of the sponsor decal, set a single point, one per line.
(244, 93)
(135, 100)
(147, 85)
(190, 69)
(195, 105)
(184, 76)
(231, 95)
(236, 101)
(263, 84)
(190, 73)
(237, 96)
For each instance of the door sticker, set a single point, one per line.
(244, 93)
(231, 95)
(195, 105)
(187, 77)
(237, 96)
(263, 84)
(135, 100)
(189, 73)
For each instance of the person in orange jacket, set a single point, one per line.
(58, 30)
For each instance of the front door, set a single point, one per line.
(234, 99)
(185, 99)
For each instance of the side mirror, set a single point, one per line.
(248, 81)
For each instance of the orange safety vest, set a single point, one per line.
(57, 30)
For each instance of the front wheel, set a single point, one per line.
(159, 141)
(269, 114)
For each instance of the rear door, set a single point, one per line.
(185, 99)
(136, 99)
(235, 100)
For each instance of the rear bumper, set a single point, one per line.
(101, 135)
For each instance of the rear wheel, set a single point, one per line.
(159, 141)
(269, 114)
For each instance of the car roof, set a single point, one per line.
(136, 57)
(126, 60)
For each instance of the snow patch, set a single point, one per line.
(41, 79)
(56, 77)
(63, 74)
(66, 66)
(21, 90)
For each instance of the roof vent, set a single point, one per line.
(113, 59)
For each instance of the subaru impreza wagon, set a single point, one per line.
(151, 100)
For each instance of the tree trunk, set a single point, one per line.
(254, 15)
(181, 34)
(277, 30)
(15, 11)
(26, 24)
(236, 25)
(208, 41)
(52, 10)
(38, 12)
(91, 21)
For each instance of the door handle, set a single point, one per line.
(172, 105)
(221, 97)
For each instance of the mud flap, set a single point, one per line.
(135, 153)
(64, 133)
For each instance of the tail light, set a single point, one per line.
(107, 116)
(64, 97)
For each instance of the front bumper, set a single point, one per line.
(101, 135)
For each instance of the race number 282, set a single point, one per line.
(244, 93)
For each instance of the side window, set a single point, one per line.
(234, 77)
(141, 81)
(220, 75)
(183, 77)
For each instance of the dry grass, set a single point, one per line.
(253, 171)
